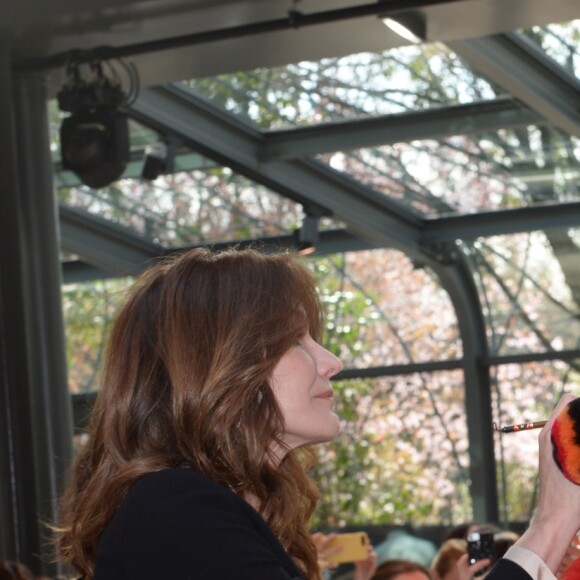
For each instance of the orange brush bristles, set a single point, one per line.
(566, 441)
(572, 572)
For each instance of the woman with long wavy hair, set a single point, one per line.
(213, 387)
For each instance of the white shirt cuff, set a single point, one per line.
(530, 562)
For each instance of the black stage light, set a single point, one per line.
(153, 167)
(95, 146)
(157, 160)
(94, 139)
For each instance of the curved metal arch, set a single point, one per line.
(451, 266)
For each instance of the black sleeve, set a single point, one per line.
(505, 569)
(181, 530)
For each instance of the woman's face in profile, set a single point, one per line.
(301, 385)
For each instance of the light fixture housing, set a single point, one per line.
(408, 25)
(159, 159)
(95, 146)
(94, 139)
(306, 236)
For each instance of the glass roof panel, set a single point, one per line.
(190, 208)
(353, 87)
(470, 173)
(530, 290)
(560, 42)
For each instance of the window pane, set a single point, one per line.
(88, 312)
(529, 290)
(402, 454)
(382, 310)
(190, 207)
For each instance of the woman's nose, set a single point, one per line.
(329, 365)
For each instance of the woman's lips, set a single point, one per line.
(326, 395)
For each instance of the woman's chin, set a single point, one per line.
(331, 432)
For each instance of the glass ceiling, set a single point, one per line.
(361, 85)
(560, 42)
(470, 173)
(466, 172)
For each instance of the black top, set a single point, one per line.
(178, 524)
(507, 570)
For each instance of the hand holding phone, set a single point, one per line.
(354, 547)
(480, 547)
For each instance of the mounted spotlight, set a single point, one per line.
(158, 159)
(94, 139)
(306, 236)
(408, 25)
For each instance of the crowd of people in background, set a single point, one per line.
(412, 558)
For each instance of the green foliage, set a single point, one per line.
(88, 312)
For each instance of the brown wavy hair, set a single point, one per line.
(185, 382)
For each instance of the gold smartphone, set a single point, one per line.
(354, 547)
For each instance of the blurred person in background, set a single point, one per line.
(401, 570)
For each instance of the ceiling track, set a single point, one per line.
(293, 20)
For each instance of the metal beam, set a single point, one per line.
(103, 244)
(457, 279)
(501, 222)
(521, 68)
(435, 123)
(329, 242)
(35, 410)
(293, 20)
(368, 214)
